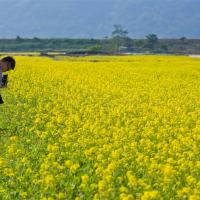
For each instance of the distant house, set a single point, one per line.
(124, 49)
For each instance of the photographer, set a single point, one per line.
(6, 64)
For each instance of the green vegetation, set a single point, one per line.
(106, 45)
(118, 42)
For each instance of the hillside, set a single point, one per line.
(95, 18)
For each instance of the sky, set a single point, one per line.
(95, 18)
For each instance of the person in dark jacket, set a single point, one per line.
(6, 64)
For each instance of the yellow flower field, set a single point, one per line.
(121, 127)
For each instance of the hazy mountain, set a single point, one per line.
(95, 18)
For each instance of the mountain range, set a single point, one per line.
(95, 18)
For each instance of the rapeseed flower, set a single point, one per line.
(126, 127)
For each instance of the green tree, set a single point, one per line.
(95, 48)
(18, 39)
(119, 31)
(119, 38)
(152, 40)
(183, 39)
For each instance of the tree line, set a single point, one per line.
(117, 42)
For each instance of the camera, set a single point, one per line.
(1, 100)
(4, 84)
(4, 80)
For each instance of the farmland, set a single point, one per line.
(101, 127)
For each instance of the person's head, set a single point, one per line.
(7, 63)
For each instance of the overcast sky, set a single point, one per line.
(95, 18)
